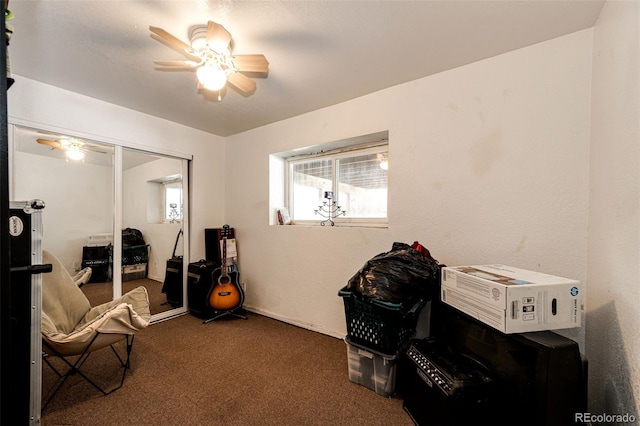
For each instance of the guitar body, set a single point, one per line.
(225, 294)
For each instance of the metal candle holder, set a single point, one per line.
(173, 212)
(329, 209)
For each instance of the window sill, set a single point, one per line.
(317, 224)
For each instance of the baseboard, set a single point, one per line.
(295, 322)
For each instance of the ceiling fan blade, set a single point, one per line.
(52, 144)
(188, 64)
(183, 52)
(176, 42)
(48, 134)
(242, 82)
(218, 38)
(251, 63)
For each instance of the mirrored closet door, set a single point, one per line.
(119, 211)
(153, 220)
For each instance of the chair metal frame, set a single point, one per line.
(74, 368)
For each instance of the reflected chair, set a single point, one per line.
(83, 276)
(72, 329)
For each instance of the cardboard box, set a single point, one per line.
(513, 300)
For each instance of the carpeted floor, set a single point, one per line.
(231, 371)
(98, 293)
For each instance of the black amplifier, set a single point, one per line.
(99, 258)
(199, 282)
(444, 388)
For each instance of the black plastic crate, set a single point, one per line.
(378, 325)
(133, 255)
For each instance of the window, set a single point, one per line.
(164, 199)
(173, 201)
(355, 178)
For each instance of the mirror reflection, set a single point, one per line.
(75, 178)
(152, 209)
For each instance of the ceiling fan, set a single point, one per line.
(73, 148)
(209, 55)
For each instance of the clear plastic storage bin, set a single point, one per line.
(372, 369)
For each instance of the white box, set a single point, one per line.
(513, 300)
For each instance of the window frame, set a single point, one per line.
(334, 155)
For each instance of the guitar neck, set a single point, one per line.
(224, 256)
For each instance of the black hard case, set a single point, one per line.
(172, 286)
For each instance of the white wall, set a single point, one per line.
(613, 340)
(41, 105)
(488, 163)
(159, 236)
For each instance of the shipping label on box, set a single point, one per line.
(513, 300)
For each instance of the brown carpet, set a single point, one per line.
(99, 293)
(231, 371)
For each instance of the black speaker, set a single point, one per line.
(199, 282)
(172, 286)
(99, 258)
(443, 388)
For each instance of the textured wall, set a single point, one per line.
(613, 341)
(488, 164)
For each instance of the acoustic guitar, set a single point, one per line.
(225, 293)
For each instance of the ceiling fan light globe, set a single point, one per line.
(74, 154)
(211, 77)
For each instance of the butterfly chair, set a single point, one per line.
(83, 276)
(72, 329)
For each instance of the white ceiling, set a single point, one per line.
(320, 52)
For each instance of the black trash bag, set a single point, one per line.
(401, 275)
(132, 237)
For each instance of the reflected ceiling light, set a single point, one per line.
(74, 153)
(383, 161)
(73, 148)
